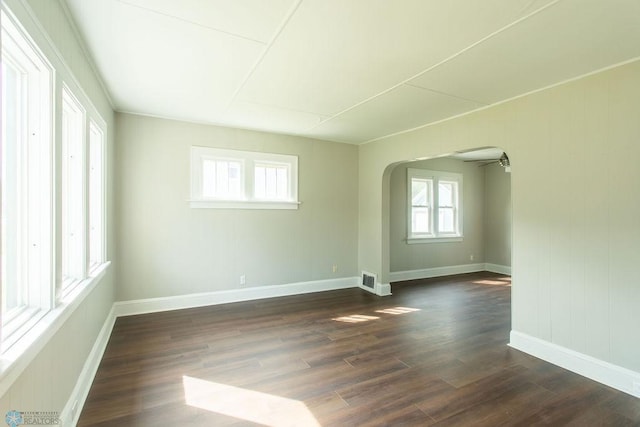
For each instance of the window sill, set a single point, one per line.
(33, 337)
(241, 204)
(421, 240)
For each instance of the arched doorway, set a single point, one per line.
(467, 230)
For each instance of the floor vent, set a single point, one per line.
(369, 280)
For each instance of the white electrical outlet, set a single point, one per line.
(335, 268)
(243, 280)
(470, 257)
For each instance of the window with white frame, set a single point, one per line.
(36, 274)
(73, 194)
(222, 178)
(434, 205)
(27, 177)
(97, 195)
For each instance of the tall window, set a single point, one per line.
(27, 192)
(243, 179)
(73, 197)
(434, 205)
(52, 192)
(96, 196)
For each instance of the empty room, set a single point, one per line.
(320, 213)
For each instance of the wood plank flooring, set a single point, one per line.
(433, 354)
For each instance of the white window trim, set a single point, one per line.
(39, 129)
(78, 190)
(435, 237)
(248, 159)
(101, 255)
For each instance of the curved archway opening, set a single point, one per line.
(446, 215)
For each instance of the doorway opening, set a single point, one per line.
(450, 215)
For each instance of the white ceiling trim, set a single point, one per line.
(504, 101)
(282, 26)
(444, 61)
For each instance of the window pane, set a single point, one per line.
(271, 182)
(446, 220)
(221, 178)
(208, 178)
(26, 194)
(282, 183)
(234, 180)
(446, 193)
(73, 231)
(12, 131)
(96, 196)
(419, 194)
(420, 220)
(260, 182)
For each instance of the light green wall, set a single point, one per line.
(576, 211)
(406, 257)
(167, 248)
(48, 380)
(497, 215)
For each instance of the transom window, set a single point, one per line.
(237, 179)
(434, 205)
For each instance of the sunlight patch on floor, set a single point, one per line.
(355, 318)
(398, 310)
(505, 282)
(248, 405)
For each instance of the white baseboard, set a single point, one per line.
(380, 289)
(152, 305)
(426, 273)
(622, 379)
(497, 268)
(71, 411)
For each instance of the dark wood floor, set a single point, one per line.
(434, 353)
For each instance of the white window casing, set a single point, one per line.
(27, 183)
(234, 179)
(434, 206)
(53, 194)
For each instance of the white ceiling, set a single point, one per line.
(344, 70)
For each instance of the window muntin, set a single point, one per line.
(434, 205)
(236, 179)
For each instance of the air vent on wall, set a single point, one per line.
(369, 280)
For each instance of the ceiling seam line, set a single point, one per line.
(177, 18)
(447, 94)
(279, 31)
(444, 61)
(504, 101)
